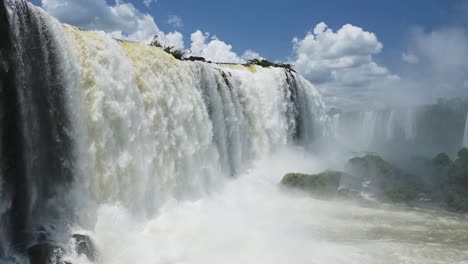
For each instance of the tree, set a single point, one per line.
(178, 54)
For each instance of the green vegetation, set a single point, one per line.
(438, 181)
(455, 202)
(155, 42)
(265, 63)
(324, 183)
(195, 58)
(371, 165)
(442, 160)
(178, 54)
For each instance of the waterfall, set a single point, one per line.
(422, 130)
(89, 120)
(465, 137)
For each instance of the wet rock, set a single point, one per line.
(371, 166)
(195, 58)
(45, 253)
(325, 183)
(401, 194)
(85, 246)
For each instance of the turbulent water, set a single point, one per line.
(167, 161)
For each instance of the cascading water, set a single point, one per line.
(124, 144)
(89, 120)
(39, 156)
(465, 138)
(424, 130)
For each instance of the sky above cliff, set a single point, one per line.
(357, 53)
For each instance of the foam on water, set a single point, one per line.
(167, 161)
(253, 220)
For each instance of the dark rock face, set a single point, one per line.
(36, 163)
(46, 253)
(195, 58)
(85, 246)
(325, 183)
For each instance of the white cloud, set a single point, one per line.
(211, 48)
(148, 2)
(121, 20)
(409, 58)
(341, 64)
(250, 55)
(175, 21)
(173, 39)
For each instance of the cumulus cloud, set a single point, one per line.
(409, 58)
(175, 21)
(124, 21)
(172, 39)
(250, 55)
(147, 2)
(121, 20)
(216, 50)
(341, 64)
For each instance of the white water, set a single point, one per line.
(159, 141)
(422, 130)
(253, 220)
(465, 138)
(158, 128)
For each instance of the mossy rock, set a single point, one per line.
(324, 183)
(371, 165)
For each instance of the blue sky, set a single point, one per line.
(390, 46)
(269, 26)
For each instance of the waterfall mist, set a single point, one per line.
(167, 161)
(91, 121)
(404, 131)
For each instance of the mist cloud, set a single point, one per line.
(440, 69)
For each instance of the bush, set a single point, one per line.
(178, 54)
(265, 63)
(155, 42)
(442, 160)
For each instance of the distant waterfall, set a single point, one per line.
(423, 130)
(465, 138)
(87, 119)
